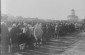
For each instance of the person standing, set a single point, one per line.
(4, 39)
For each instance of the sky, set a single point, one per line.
(43, 9)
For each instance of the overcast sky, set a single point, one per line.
(57, 9)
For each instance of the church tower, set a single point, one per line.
(73, 12)
(72, 17)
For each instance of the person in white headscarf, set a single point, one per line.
(38, 33)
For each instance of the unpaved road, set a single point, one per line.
(78, 48)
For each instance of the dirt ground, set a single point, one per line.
(79, 47)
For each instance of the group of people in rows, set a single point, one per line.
(28, 35)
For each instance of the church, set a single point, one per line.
(72, 17)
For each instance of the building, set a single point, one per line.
(72, 17)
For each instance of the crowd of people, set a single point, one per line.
(23, 35)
